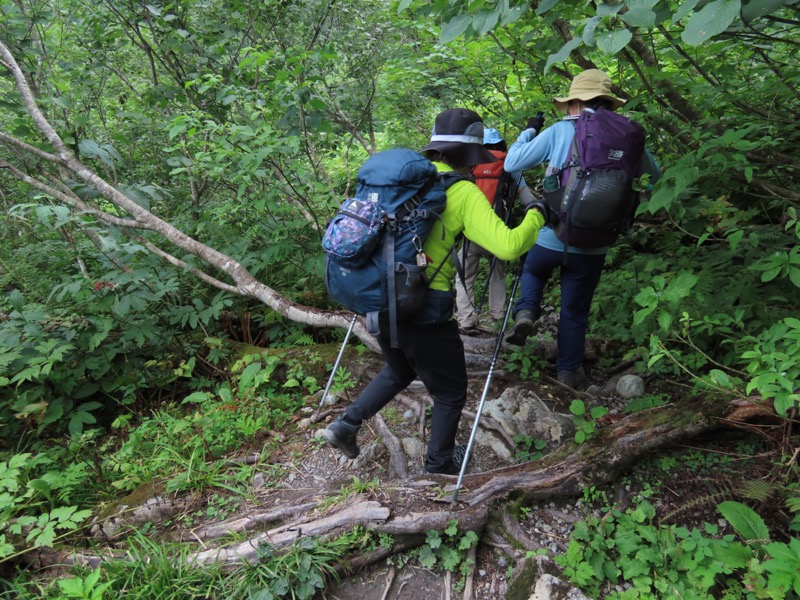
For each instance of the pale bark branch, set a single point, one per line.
(244, 282)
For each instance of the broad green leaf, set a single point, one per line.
(6, 549)
(735, 237)
(455, 27)
(225, 394)
(755, 9)
(589, 29)
(72, 587)
(485, 21)
(196, 397)
(91, 149)
(747, 523)
(720, 378)
(562, 54)
(41, 486)
(643, 18)
(682, 285)
(63, 102)
(42, 537)
(684, 10)
(612, 42)
(784, 553)
(511, 14)
(248, 375)
(543, 7)
(712, 19)
(606, 10)
(640, 13)
(177, 129)
(577, 407)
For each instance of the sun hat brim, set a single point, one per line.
(461, 153)
(562, 103)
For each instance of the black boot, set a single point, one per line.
(575, 379)
(452, 467)
(523, 327)
(342, 436)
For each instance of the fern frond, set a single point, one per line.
(758, 490)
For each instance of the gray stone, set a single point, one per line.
(414, 449)
(521, 412)
(610, 387)
(630, 386)
(549, 587)
(372, 453)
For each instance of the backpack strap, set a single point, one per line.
(388, 257)
(408, 211)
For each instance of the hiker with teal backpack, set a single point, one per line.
(428, 345)
(577, 243)
(501, 190)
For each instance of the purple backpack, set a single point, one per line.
(596, 200)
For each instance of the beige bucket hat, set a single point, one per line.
(588, 85)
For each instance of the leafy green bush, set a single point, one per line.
(585, 422)
(677, 562)
(775, 365)
(446, 550)
(34, 502)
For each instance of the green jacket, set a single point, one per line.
(467, 210)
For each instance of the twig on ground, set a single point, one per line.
(469, 593)
(317, 417)
(389, 580)
(564, 386)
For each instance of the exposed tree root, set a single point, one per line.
(397, 458)
(562, 473)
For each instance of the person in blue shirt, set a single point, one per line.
(580, 273)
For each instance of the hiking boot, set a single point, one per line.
(453, 466)
(523, 327)
(342, 436)
(575, 379)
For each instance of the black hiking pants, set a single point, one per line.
(435, 354)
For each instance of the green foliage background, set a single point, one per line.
(243, 124)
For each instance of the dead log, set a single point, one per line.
(360, 512)
(250, 521)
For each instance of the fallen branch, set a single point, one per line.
(361, 512)
(250, 521)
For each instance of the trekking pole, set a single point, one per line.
(500, 336)
(336, 364)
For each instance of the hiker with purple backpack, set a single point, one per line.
(572, 244)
